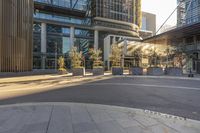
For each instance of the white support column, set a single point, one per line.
(114, 40)
(43, 44)
(96, 39)
(71, 37)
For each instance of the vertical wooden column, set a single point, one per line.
(16, 24)
(1, 11)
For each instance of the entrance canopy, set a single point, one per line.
(180, 32)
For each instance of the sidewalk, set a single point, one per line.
(69, 75)
(89, 118)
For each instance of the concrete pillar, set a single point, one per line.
(71, 37)
(96, 39)
(43, 44)
(114, 40)
(107, 51)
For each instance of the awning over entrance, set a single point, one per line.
(180, 32)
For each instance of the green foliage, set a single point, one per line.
(95, 56)
(76, 58)
(154, 57)
(61, 64)
(176, 55)
(116, 55)
(137, 54)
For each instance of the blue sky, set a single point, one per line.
(162, 9)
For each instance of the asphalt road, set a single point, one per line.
(171, 96)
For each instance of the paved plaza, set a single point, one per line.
(102, 104)
(89, 118)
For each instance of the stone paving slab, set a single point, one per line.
(89, 118)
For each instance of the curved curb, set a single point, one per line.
(159, 77)
(143, 112)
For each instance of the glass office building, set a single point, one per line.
(188, 12)
(61, 24)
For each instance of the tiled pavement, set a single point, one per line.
(89, 118)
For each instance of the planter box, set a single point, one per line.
(136, 71)
(174, 71)
(117, 71)
(78, 71)
(155, 71)
(98, 71)
(62, 72)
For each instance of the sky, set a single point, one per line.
(162, 9)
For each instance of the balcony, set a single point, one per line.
(192, 47)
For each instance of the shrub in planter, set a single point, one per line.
(136, 69)
(154, 61)
(76, 61)
(175, 58)
(115, 57)
(61, 64)
(95, 56)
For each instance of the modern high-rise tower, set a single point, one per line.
(58, 25)
(188, 12)
(61, 24)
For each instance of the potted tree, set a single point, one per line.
(76, 62)
(61, 66)
(154, 59)
(115, 58)
(136, 69)
(176, 57)
(95, 56)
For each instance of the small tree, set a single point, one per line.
(96, 57)
(154, 57)
(177, 56)
(61, 64)
(116, 55)
(76, 58)
(137, 54)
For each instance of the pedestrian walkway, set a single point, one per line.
(89, 118)
(32, 78)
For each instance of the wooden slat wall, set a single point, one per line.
(16, 22)
(0, 30)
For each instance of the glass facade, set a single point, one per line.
(36, 45)
(78, 5)
(58, 44)
(64, 19)
(122, 10)
(193, 14)
(62, 30)
(188, 12)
